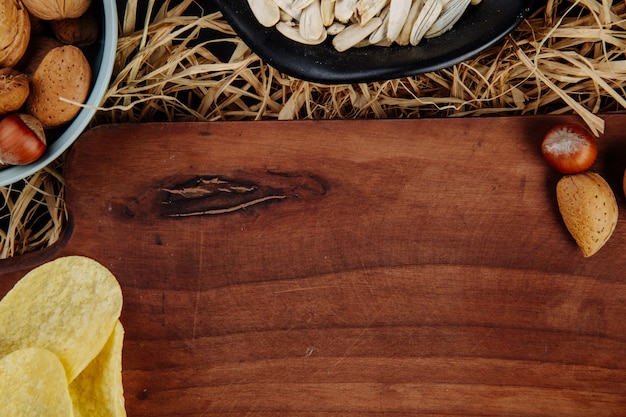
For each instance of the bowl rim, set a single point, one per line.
(322, 64)
(73, 131)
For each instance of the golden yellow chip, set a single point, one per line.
(33, 384)
(68, 306)
(98, 390)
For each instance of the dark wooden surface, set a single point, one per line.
(344, 268)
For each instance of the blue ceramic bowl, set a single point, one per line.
(102, 59)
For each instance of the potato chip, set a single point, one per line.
(68, 306)
(33, 384)
(98, 390)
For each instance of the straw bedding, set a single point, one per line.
(179, 62)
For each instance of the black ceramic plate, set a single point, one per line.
(480, 27)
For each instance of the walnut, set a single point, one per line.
(57, 9)
(14, 32)
(79, 31)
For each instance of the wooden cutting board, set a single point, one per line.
(344, 268)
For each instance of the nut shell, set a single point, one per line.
(57, 9)
(589, 209)
(14, 32)
(38, 48)
(8, 17)
(569, 148)
(22, 139)
(80, 31)
(34, 125)
(63, 73)
(14, 90)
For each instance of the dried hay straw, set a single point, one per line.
(32, 214)
(568, 57)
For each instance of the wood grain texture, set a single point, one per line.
(348, 268)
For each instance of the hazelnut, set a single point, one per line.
(22, 139)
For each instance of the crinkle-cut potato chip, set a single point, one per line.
(68, 306)
(98, 390)
(33, 384)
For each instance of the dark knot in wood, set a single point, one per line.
(208, 195)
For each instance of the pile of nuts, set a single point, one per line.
(44, 73)
(357, 23)
(586, 201)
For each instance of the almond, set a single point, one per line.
(589, 209)
(38, 48)
(64, 73)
